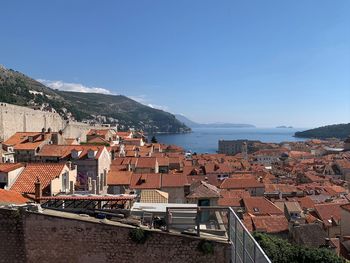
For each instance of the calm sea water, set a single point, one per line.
(205, 140)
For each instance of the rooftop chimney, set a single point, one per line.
(38, 190)
(71, 187)
(93, 186)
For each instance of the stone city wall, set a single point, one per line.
(21, 119)
(47, 238)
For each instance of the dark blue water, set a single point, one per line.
(205, 140)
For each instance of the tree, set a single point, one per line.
(281, 251)
(154, 139)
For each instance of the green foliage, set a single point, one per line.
(16, 88)
(340, 131)
(206, 247)
(281, 251)
(138, 235)
(154, 139)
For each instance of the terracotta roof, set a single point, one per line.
(146, 162)
(306, 202)
(8, 167)
(90, 197)
(211, 179)
(163, 161)
(46, 172)
(20, 140)
(11, 197)
(174, 180)
(232, 197)
(260, 206)
(145, 181)
(124, 134)
(64, 151)
(241, 183)
(284, 188)
(202, 189)
(270, 224)
(98, 132)
(328, 213)
(98, 140)
(116, 177)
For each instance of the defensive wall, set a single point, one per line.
(39, 237)
(15, 118)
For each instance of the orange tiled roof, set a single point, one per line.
(328, 213)
(232, 197)
(115, 177)
(145, 181)
(11, 197)
(203, 189)
(241, 183)
(146, 162)
(8, 167)
(64, 151)
(270, 224)
(98, 132)
(46, 172)
(174, 180)
(260, 206)
(20, 140)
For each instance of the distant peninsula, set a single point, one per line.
(193, 124)
(340, 131)
(284, 127)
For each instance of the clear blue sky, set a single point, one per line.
(261, 62)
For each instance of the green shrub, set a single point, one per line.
(206, 247)
(281, 251)
(138, 235)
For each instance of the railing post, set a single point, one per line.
(235, 245)
(244, 248)
(197, 221)
(229, 224)
(167, 219)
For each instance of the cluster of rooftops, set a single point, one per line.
(279, 189)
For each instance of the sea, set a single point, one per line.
(205, 140)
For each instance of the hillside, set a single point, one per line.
(340, 131)
(19, 89)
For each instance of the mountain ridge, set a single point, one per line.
(19, 89)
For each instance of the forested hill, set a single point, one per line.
(340, 131)
(19, 89)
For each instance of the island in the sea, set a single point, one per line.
(284, 127)
(340, 131)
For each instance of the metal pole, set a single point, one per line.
(197, 221)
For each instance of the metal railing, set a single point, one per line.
(244, 248)
(219, 223)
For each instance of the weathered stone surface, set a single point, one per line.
(43, 238)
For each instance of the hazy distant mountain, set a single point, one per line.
(284, 127)
(16, 88)
(193, 124)
(340, 131)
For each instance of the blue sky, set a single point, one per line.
(261, 62)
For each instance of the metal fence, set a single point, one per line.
(244, 248)
(220, 223)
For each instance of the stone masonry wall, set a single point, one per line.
(11, 237)
(21, 119)
(55, 239)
